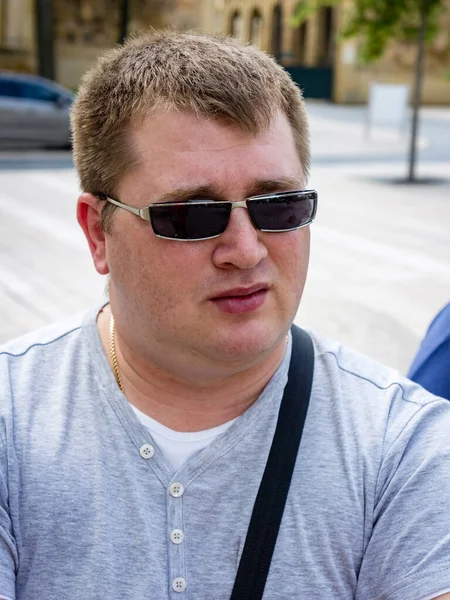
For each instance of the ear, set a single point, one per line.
(89, 208)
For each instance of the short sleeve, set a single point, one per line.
(408, 553)
(8, 548)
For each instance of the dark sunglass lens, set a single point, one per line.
(281, 213)
(189, 221)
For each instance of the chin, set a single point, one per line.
(247, 341)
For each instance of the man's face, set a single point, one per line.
(231, 298)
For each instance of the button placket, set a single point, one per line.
(176, 535)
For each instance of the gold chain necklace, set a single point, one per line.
(112, 353)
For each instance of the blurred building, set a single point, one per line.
(17, 45)
(324, 66)
(85, 28)
(81, 29)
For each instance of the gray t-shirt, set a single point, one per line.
(90, 509)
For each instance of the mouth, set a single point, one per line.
(241, 300)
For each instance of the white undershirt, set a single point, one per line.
(178, 446)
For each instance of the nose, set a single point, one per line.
(240, 245)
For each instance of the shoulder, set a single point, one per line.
(354, 370)
(375, 400)
(43, 371)
(45, 339)
(41, 358)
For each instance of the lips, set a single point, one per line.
(241, 300)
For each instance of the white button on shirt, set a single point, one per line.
(176, 490)
(177, 536)
(179, 584)
(146, 451)
(179, 446)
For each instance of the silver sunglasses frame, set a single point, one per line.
(144, 213)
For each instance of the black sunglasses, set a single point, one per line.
(204, 219)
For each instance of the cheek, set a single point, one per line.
(159, 274)
(292, 256)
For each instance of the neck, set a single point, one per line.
(191, 401)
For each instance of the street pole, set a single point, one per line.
(44, 38)
(417, 90)
(124, 17)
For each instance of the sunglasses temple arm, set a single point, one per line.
(144, 213)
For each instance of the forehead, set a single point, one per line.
(173, 148)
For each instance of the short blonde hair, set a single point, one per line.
(210, 76)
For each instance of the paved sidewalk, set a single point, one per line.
(380, 258)
(340, 133)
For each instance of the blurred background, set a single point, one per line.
(380, 263)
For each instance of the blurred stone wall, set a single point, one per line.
(310, 45)
(17, 35)
(85, 29)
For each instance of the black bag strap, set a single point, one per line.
(273, 490)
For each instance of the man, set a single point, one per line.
(134, 439)
(431, 366)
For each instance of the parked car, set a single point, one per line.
(34, 112)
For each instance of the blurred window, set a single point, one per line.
(237, 29)
(10, 88)
(256, 28)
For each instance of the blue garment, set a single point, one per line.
(431, 367)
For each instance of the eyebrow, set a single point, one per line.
(208, 192)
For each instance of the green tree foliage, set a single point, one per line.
(377, 22)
